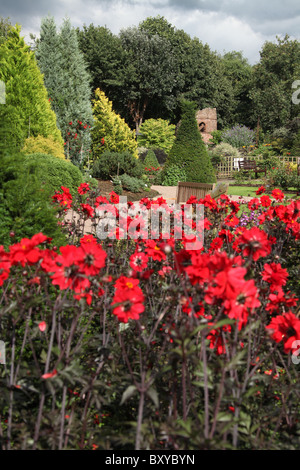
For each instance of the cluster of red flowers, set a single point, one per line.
(152, 168)
(72, 269)
(220, 280)
(64, 199)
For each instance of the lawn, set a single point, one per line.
(251, 191)
(242, 191)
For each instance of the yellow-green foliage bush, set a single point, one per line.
(110, 131)
(46, 145)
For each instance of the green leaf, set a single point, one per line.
(237, 359)
(152, 393)
(221, 323)
(128, 393)
(225, 417)
(43, 356)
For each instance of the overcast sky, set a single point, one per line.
(225, 25)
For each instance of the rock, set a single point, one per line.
(219, 189)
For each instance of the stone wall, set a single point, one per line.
(207, 122)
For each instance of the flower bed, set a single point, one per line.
(154, 341)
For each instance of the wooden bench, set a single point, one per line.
(185, 190)
(250, 165)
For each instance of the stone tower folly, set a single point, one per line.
(207, 122)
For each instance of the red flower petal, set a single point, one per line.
(42, 326)
(50, 374)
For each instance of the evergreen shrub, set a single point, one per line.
(189, 151)
(53, 172)
(112, 163)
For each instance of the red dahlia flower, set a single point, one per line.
(277, 194)
(83, 188)
(66, 271)
(5, 265)
(138, 261)
(93, 259)
(260, 190)
(265, 201)
(254, 242)
(128, 299)
(154, 251)
(285, 328)
(87, 210)
(26, 251)
(275, 275)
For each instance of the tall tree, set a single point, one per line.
(27, 108)
(103, 55)
(273, 78)
(149, 74)
(68, 83)
(239, 73)
(200, 73)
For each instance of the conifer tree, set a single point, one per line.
(151, 160)
(189, 151)
(68, 83)
(27, 108)
(110, 131)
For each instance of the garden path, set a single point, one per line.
(169, 193)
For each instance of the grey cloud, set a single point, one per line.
(244, 9)
(254, 12)
(255, 21)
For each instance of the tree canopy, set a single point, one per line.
(68, 83)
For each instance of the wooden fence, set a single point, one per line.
(231, 165)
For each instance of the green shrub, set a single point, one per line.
(173, 174)
(110, 164)
(282, 140)
(189, 151)
(54, 172)
(266, 150)
(158, 177)
(91, 181)
(241, 177)
(132, 184)
(226, 150)
(117, 184)
(157, 133)
(268, 161)
(216, 137)
(283, 176)
(221, 151)
(160, 154)
(25, 204)
(151, 160)
(45, 145)
(239, 136)
(142, 153)
(215, 158)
